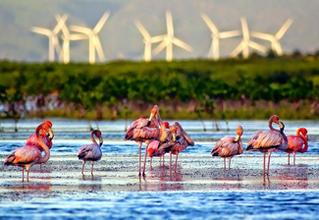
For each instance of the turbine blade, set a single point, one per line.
(281, 32)
(257, 47)
(263, 36)
(210, 24)
(142, 30)
(75, 37)
(159, 48)
(237, 50)
(245, 29)
(157, 39)
(169, 24)
(229, 34)
(182, 44)
(99, 49)
(61, 20)
(42, 31)
(99, 25)
(80, 29)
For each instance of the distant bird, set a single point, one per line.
(144, 130)
(28, 155)
(183, 140)
(227, 147)
(158, 148)
(91, 152)
(298, 143)
(268, 141)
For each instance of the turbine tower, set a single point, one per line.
(246, 44)
(95, 45)
(274, 39)
(66, 38)
(52, 38)
(148, 41)
(169, 40)
(216, 36)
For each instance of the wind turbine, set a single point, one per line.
(52, 37)
(93, 38)
(148, 41)
(66, 37)
(274, 39)
(169, 40)
(216, 36)
(246, 43)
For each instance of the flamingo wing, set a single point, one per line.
(294, 143)
(266, 139)
(182, 132)
(23, 155)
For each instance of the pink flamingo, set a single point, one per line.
(268, 141)
(144, 130)
(227, 147)
(182, 141)
(91, 152)
(298, 143)
(158, 148)
(28, 155)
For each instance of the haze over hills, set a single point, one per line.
(121, 39)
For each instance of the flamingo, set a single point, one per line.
(144, 130)
(268, 141)
(158, 148)
(297, 143)
(91, 152)
(182, 141)
(227, 147)
(28, 155)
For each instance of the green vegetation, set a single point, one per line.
(189, 89)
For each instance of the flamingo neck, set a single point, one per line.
(305, 141)
(270, 125)
(93, 138)
(44, 147)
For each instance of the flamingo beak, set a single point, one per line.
(174, 137)
(50, 134)
(101, 141)
(237, 138)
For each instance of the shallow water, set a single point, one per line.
(199, 190)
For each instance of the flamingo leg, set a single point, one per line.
(145, 156)
(139, 158)
(151, 163)
(288, 158)
(269, 155)
(160, 162)
(224, 163)
(176, 160)
(28, 172)
(22, 174)
(229, 162)
(170, 160)
(264, 164)
(83, 165)
(92, 164)
(294, 158)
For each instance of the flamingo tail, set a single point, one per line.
(215, 152)
(9, 160)
(250, 147)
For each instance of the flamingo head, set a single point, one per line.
(45, 129)
(275, 119)
(303, 132)
(166, 124)
(97, 134)
(173, 130)
(239, 133)
(281, 126)
(154, 112)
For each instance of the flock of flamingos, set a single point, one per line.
(162, 138)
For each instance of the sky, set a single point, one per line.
(120, 38)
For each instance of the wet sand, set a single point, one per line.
(118, 173)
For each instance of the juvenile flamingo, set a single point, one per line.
(158, 148)
(268, 141)
(144, 130)
(227, 147)
(297, 143)
(28, 155)
(183, 140)
(91, 152)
